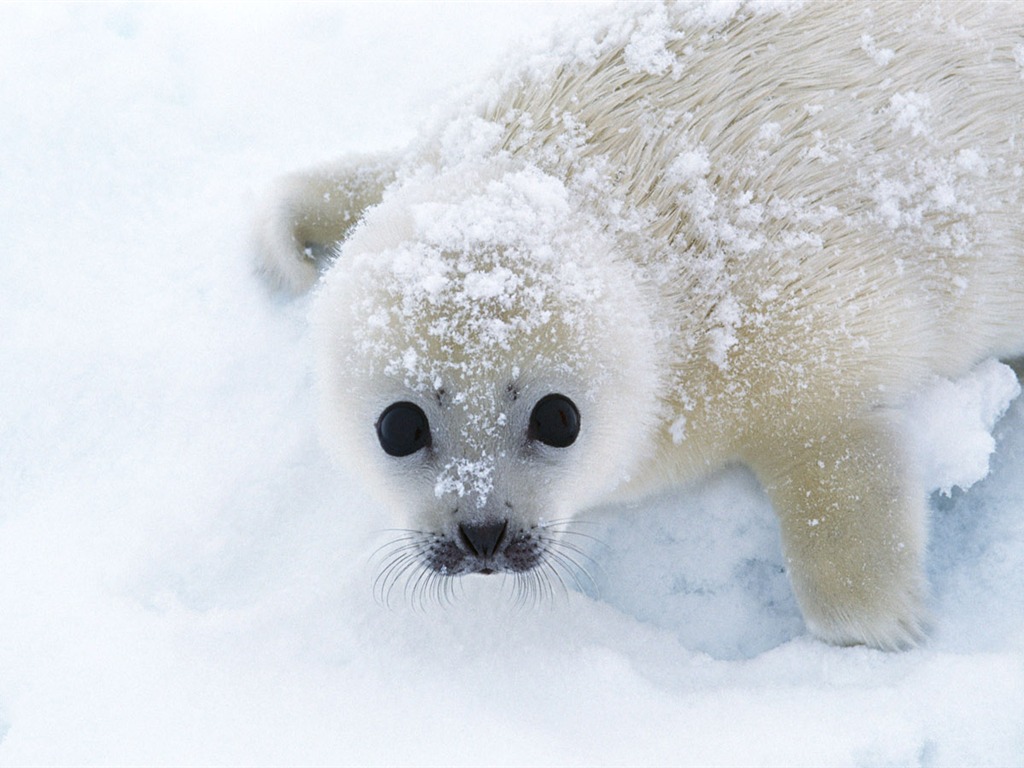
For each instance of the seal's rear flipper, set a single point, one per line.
(307, 213)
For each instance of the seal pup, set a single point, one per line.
(678, 237)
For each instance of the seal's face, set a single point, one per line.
(484, 533)
(478, 366)
(481, 420)
(482, 498)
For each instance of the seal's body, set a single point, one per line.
(689, 236)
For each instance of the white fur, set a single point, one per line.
(729, 232)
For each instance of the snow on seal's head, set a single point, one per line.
(481, 360)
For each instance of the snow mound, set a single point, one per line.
(953, 422)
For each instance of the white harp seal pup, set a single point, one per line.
(677, 237)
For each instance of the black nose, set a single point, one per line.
(483, 539)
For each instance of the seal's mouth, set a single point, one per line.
(485, 548)
(538, 559)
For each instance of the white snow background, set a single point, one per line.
(185, 579)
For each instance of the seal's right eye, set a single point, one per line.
(403, 429)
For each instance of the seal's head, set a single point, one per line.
(484, 359)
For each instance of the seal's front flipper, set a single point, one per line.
(853, 531)
(308, 213)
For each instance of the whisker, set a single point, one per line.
(535, 587)
(401, 568)
(557, 564)
(549, 568)
(565, 523)
(524, 589)
(432, 590)
(421, 590)
(529, 590)
(577, 560)
(399, 543)
(380, 584)
(416, 573)
(440, 588)
(392, 571)
(504, 585)
(445, 593)
(517, 591)
(406, 564)
(565, 528)
(397, 558)
(576, 550)
(560, 553)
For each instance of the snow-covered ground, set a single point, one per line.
(185, 579)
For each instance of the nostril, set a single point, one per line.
(483, 539)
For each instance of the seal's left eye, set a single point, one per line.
(555, 421)
(403, 429)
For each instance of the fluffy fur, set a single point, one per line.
(728, 233)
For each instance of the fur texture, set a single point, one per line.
(727, 233)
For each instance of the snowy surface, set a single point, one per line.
(185, 579)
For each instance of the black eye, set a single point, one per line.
(403, 429)
(555, 421)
